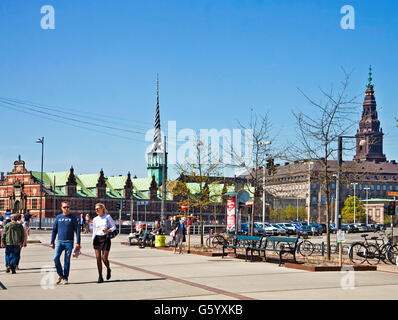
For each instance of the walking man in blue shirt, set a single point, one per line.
(65, 225)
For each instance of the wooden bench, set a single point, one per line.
(276, 244)
(242, 242)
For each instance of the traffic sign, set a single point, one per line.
(340, 236)
(392, 193)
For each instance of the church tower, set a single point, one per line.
(155, 155)
(369, 145)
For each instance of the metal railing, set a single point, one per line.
(46, 223)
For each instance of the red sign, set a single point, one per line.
(184, 207)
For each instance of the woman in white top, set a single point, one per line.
(102, 224)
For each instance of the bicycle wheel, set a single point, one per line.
(392, 253)
(357, 253)
(372, 254)
(218, 241)
(383, 252)
(306, 248)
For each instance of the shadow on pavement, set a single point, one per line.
(118, 281)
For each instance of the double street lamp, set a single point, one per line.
(41, 140)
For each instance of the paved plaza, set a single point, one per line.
(159, 274)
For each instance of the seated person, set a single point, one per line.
(137, 234)
(151, 234)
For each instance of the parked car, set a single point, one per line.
(245, 229)
(268, 229)
(351, 228)
(371, 227)
(362, 227)
(332, 228)
(296, 224)
(281, 231)
(323, 225)
(380, 227)
(288, 227)
(317, 227)
(307, 230)
(344, 227)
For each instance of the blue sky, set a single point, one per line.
(216, 60)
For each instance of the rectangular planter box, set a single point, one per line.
(201, 253)
(329, 268)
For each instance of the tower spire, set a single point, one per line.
(370, 135)
(157, 136)
(370, 84)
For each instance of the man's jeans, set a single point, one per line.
(12, 254)
(59, 247)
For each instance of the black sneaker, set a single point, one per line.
(108, 274)
(13, 271)
(100, 279)
(8, 269)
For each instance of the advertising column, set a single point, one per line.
(230, 213)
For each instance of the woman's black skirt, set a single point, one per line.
(102, 243)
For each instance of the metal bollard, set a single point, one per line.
(323, 248)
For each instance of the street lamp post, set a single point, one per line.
(309, 191)
(367, 203)
(354, 184)
(41, 177)
(264, 144)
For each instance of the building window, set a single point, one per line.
(2, 204)
(378, 187)
(333, 186)
(390, 188)
(34, 203)
(314, 200)
(360, 187)
(372, 187)
(384, 188)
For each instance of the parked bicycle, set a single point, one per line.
(305, 247)
(218, 239)
(388, 250)
(365, 251)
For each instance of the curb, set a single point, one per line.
(33, 241)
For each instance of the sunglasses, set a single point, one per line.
(65, 207)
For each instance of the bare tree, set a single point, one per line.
(318, 132)
(205, 171)
(260, 128)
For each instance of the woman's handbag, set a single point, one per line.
(112, 234)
